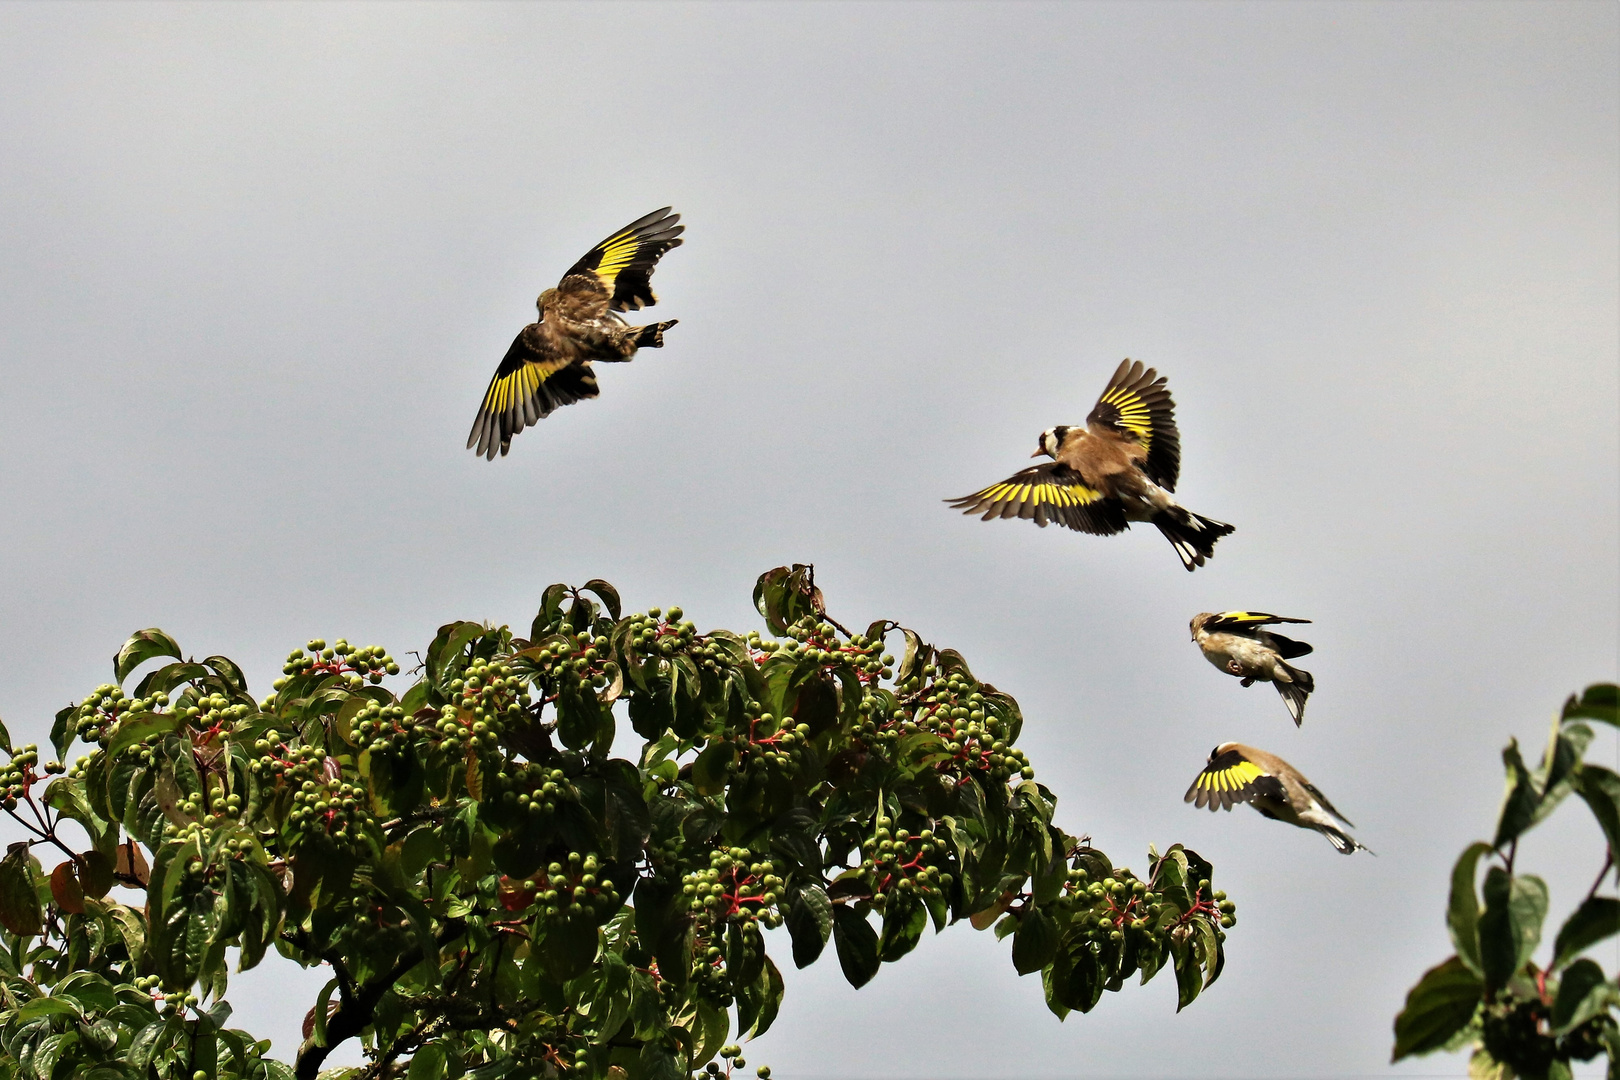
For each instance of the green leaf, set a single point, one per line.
(428, 1063)
(607, 593)
(131, 732)
(143, 645)
(1438, 1007)
(1510, 925)
(47, 1006)
(904, 920)
(19, 899)
(1462, 914)
(1598, 917)
(1601, 789)
(1582, 994)
(809, 923)
(62, 733)
(1519, 800)
(1035, 943)
(1600, 701)
(709, 770)
(5, 738)
(857, 945)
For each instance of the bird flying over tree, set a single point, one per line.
(549, 363)
(1238, 643)
(1237, 773)
(1118, 468)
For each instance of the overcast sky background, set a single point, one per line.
(260, 261)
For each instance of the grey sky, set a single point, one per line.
(259, 263)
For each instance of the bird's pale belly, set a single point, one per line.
(1250, 655)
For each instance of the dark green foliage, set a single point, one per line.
(1523, 1019)
(498, 896)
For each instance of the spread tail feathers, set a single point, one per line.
(1192, 536)
(1294, 693)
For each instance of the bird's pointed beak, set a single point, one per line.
(1038, 452)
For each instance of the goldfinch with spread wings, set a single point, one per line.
(1237, 643)
(1119, 468)
(549, 363)
(1238, 773)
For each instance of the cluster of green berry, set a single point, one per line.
(819, 643)
(210, 713)
(97, 717)
(572, 891)
(731, 1054)
(380, 727)
(974, 735)
(369, 925)
(325, 809)
(482, 700)
(207, 811)
(18, 775)
(1122, 902)
(356, 667)
(737, 885)
(898, 861)
(770, 747)
(658, 633)
(533, 789)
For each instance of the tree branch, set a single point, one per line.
(354, 1013)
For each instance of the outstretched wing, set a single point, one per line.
(529, 384)
(624, 262)
(1045, 493)
(1231, 778)
(1137, 402)
(1248, 624)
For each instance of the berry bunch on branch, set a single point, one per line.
(494, 894)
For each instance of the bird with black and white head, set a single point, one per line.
(1237, 773)
(1237, 643)
(549, 363)
(1120, 467)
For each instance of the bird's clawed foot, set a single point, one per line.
(652, 337)
(1234, 667)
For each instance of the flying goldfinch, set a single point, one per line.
(1238, 773)
(1237, 643)
(1119, 468)
(549, 363)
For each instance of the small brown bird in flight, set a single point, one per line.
(1121, 467)
(549, 363)
(1237, 643)
(1238, 773)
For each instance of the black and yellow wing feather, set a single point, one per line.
(526, 386)
(1137, 402)
(1249, 624)
(1243, 620)
(1231, 778)
(624, 262)
(1046, 493)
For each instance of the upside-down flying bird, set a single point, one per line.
(1237, 643)
(1238, 773)
(549, 363)
(1119, 468)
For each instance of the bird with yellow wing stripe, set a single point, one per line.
(1238, 643)
(1119, 468)
(1238, 773)
(549, 363)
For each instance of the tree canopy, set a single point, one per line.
(496, 895)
